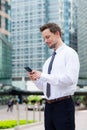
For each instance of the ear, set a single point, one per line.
(57, 33)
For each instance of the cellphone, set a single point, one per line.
(28, 69)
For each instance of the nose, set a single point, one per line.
(45, 40)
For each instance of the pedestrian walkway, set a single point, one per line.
(81, 118)
(81, 122)
(20, 113)
(36, 126)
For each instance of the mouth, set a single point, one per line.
(49, 44)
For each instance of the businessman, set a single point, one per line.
(58, 80)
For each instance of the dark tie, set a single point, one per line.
(49, 71)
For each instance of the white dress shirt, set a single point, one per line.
(64, 73)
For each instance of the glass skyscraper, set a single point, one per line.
(5, 46)
(82, 40)
(28, 46)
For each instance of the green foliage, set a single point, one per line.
(85, 101)
(34, 98)
(78, 98)
(12, 123)
(81, 99)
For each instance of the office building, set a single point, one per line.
(5, 46)
(28, 45)
(82, 40)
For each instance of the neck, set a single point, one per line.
(59, 43)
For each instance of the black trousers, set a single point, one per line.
(60, 115)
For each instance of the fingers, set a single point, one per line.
(31, 76)
(34, 75)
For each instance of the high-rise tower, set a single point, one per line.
(5, 46)
(28, 46)
(82, 40)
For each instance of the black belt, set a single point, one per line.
(57, 99)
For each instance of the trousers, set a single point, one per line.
(60, 115)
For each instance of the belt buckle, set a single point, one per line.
(49, 101)
(56, 99)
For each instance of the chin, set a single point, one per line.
(51, 47)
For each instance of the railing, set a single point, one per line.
(35, 113)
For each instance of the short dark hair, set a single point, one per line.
(53, 27)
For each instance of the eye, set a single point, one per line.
(47, 37)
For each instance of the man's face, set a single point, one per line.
(50, 38)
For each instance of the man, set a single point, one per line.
(10, 105)
(62, 79)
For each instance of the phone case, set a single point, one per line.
(28, 69)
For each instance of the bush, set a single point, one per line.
(34, 98)
(80, 99)
(12, 123)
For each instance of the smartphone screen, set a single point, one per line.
(28, 69)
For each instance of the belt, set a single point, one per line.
(57, 99)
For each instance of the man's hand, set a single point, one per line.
(34, 75)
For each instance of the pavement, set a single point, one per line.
(81, 118)
(81, 122)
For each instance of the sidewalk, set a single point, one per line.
(81, 118)
(81, 122)
(36, 126)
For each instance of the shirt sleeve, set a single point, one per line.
(39, 83)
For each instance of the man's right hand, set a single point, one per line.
(34, 75)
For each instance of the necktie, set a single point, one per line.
(49, 70)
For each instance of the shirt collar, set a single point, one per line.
(61, 48)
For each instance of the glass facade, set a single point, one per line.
(82, 40)
(27, 42)
(5, 46)
(4, 16)
(5, 61)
